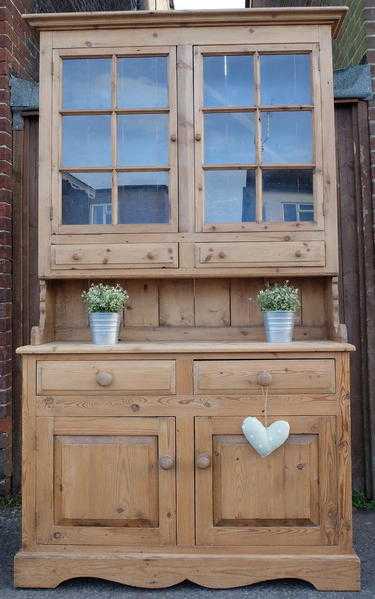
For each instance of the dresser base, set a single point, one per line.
(220, 571)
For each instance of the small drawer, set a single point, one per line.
(151, 377)
(131, 255)
(260, 253)
(286, 377)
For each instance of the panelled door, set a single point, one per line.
(106, 481)
(287, 498)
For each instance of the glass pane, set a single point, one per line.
(143, 198)
(287, 137)
(285, 79)
(228, 81)
(229, 138)
(230, 196)
(288, 195)
(87, 83)
(142, 82)
(86, 198)
(86, 141)
(142, 140)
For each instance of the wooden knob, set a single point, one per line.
(173, 137)
(166, 462)
(298, 254)
(203, 461)
(76, 256)
(222, 254)
(104, 379)
(264, 378)
(198, 137)
(150, 255)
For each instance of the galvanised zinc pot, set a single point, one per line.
(105, 327)
(279, 326)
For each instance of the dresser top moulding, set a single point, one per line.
(329, 15)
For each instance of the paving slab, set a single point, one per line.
(83, 588)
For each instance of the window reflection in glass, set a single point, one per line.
(229, 138)
(142, 140)
(288, 196)
(230, 196)
(287, 137)
(285, 79)
(86, 198)
(142, 82)
(86, 141)
(87, 83)
(143, 198)
(228, 81)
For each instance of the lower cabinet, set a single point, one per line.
(106, 481)
(287, 498)
(112, 481)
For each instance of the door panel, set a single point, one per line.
(106, 481)
(287, 498)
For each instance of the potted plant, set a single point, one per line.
(105, 304)
(278, 302)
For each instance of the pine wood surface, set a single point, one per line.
(135, 466)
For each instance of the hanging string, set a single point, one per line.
(265, 410)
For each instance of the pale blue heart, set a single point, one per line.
(265, 440)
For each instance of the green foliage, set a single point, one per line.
(278, 297)
(361, 502)
(10, 501)
(105, 298)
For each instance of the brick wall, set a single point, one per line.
(350, 47)
(18, 56)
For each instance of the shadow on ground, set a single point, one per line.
(364, 526)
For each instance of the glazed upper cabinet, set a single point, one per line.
(188, 152)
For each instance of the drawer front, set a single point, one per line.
(156, 377)
(132, 255)
(260, 253)
(286, 376)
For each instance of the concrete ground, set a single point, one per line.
(364, 523)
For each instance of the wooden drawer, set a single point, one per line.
(260, 254)
(287, 376)
(132, 255)
(151, 377)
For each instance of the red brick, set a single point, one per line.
(5, 210)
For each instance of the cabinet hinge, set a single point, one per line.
(51, 212)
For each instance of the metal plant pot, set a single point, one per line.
(279, 326)
(105, 327)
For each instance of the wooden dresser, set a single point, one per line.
(190, 157)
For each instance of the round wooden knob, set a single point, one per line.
(76, 256)
(166, 462)
(203, 461)
(264, 378)
(198, 137)
(298, 254)
(104, 379)
(222, 254)
(150, 255)
(173, 137)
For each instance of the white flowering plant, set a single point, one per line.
(105, 298)
(279, 296)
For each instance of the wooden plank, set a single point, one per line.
(185, 137)
(176, 303)
(212, 302)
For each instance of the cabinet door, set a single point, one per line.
(287, 498)
(106, 481)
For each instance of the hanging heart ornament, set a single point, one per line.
(265, 440)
